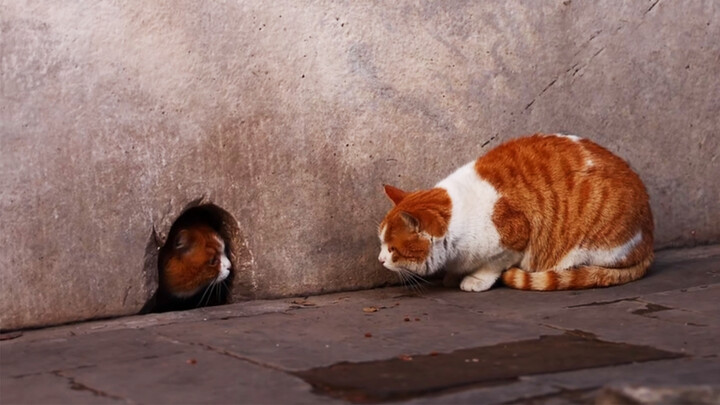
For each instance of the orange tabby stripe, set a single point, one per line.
(559, 194)
(573, 279)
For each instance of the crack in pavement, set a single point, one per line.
(78, 386)
(600, 303)
(37, 373)
(223, 352)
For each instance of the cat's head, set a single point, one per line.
(411, 229)
(192, 260)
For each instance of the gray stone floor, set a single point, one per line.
(258, 352)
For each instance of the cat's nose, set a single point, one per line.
(382, 261)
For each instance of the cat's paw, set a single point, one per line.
(451, 280)
(475, 283)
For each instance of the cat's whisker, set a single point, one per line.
(212, 287)
(202, 298)
(218, 290)
(420, 278)
(414, 281)
(419, 288)
(403, 278)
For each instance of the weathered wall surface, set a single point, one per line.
(289, 115)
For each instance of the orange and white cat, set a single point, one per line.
(192, 264)
(545, 212)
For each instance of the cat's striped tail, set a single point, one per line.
(574, 279)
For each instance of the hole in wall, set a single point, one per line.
(193, 268)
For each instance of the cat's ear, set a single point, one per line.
(182, 240)
(394, 194)
(410, 220)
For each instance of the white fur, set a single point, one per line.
(224, 263)
(484, 277)
(473, 239)
(588, 161)
(224, 268)
(385, 257)
(471, 247)
(573, 138)
(599, 257)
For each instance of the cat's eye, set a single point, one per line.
(213, 261)
(392, 249)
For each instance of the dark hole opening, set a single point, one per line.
(208, 293)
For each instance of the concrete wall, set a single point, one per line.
(115, 116)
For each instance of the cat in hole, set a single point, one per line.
(193, 268)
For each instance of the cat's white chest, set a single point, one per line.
(473, 235)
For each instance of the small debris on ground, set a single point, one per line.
(303, 303)
(368, 335)
(375, 309)
(405, 357)
(191, 361)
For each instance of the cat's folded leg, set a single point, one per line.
(480, 280)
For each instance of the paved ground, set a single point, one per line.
(441, 346)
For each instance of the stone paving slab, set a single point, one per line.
(678, 372)
(619, 323)
(196, 376)
(49, 388)
(248, 352)
(323, 335)
(555, 388)
(22, 358)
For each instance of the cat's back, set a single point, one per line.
(573, 191)
(557, 166)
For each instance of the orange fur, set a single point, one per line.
(569, 205)
(557, 195)
(190, 260)
(431, 211)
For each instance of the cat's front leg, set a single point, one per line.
(480, 280)
(487, 274)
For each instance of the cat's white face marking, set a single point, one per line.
(224, 268)
(385, 257)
